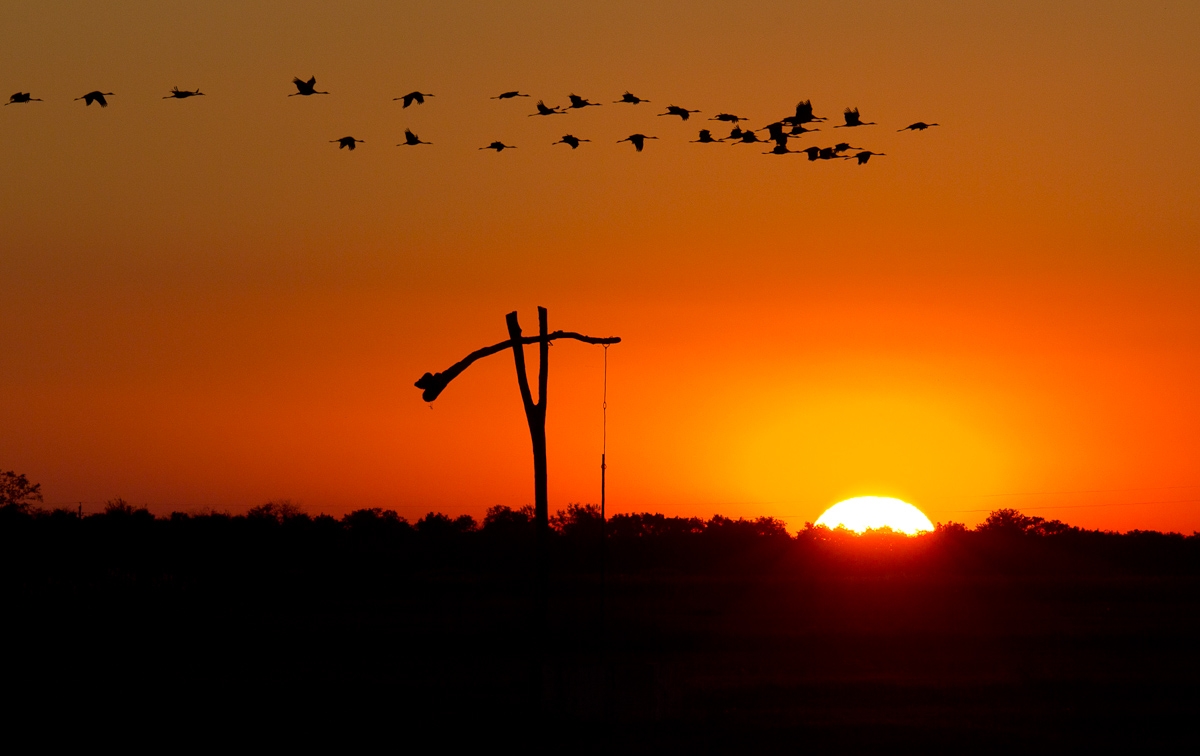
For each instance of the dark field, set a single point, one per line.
(958, 641)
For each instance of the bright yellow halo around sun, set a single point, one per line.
(863, 512)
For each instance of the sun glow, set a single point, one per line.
(863, 512)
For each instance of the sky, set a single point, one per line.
(205, 305)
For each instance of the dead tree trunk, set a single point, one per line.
(535, 415)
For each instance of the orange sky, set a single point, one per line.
(205, 304)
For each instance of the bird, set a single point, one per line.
(411, 139)
(799, 129)
(579, 102)
(843, 147)
(182, 94)
(675, 110)
(499, 147)
(571, 140)
(411, 97)
(918, 126)
(775, 132)
(544, 110)
(827, 153)
(706, 137)
(864, 156)
(346, 142)
(509, 95)
(96, 96)
(729, 117)
(781, 149)
(853, 119)
(630, 98)
(736, 133)
(814, 153)
(20, 97)
(748, 137)
(804, 114)
(305, 88)
(639, 140)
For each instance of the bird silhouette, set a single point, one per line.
(544, 110)
(571, 140)
(814, 153)
(853, 119)
(20, 97)
(804, 114)
(864, 156)
(748, 137)
(411, 97)
(509, 95)
(499, 147)
(639, 140)
(781, 149)
(736, 133)
(305, 88)
(182, 94)
(706, 137)
(579, 102)
(346, 142)
(632, 99)
(775, 132)
(843, 147)
(411, 139)
(799, 129)
(918, 126)
(675, 110)
(96, 96)
(827, 153)
(727, 117)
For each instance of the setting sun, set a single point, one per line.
(865, 512)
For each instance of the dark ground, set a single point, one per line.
(932, 655)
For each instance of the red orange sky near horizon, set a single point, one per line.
(204, 304)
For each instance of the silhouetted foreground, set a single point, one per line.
(716, 636)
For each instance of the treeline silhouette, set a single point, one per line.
(279, 537)
(704, 635)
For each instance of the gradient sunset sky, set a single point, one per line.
(204, 304)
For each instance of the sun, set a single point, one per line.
(863, 512)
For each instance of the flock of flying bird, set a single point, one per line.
(778, 132)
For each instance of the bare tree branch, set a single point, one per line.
(433, 384)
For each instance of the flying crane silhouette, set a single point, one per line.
(499, 147)
(509, 95)
(853, 119)
(411, 139)
(638, 140)
(706, 137)
(748, 137)
(736, 133)
(571, 140)
(864, 156)
(918, 126)
(728, 117)
(781, 149)
(544, 110)
(579, 102)
(775, 132)
(182, 94)
(675, 110)
(96, 96)
(347, 141)
(804, 114)
(305, 88)
(21, 97)
(843, 147)
(820, 153)
(411, 97)
(799, 129)
(630, 98)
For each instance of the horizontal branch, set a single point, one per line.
(432, 384)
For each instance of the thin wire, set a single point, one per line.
(604, 406)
